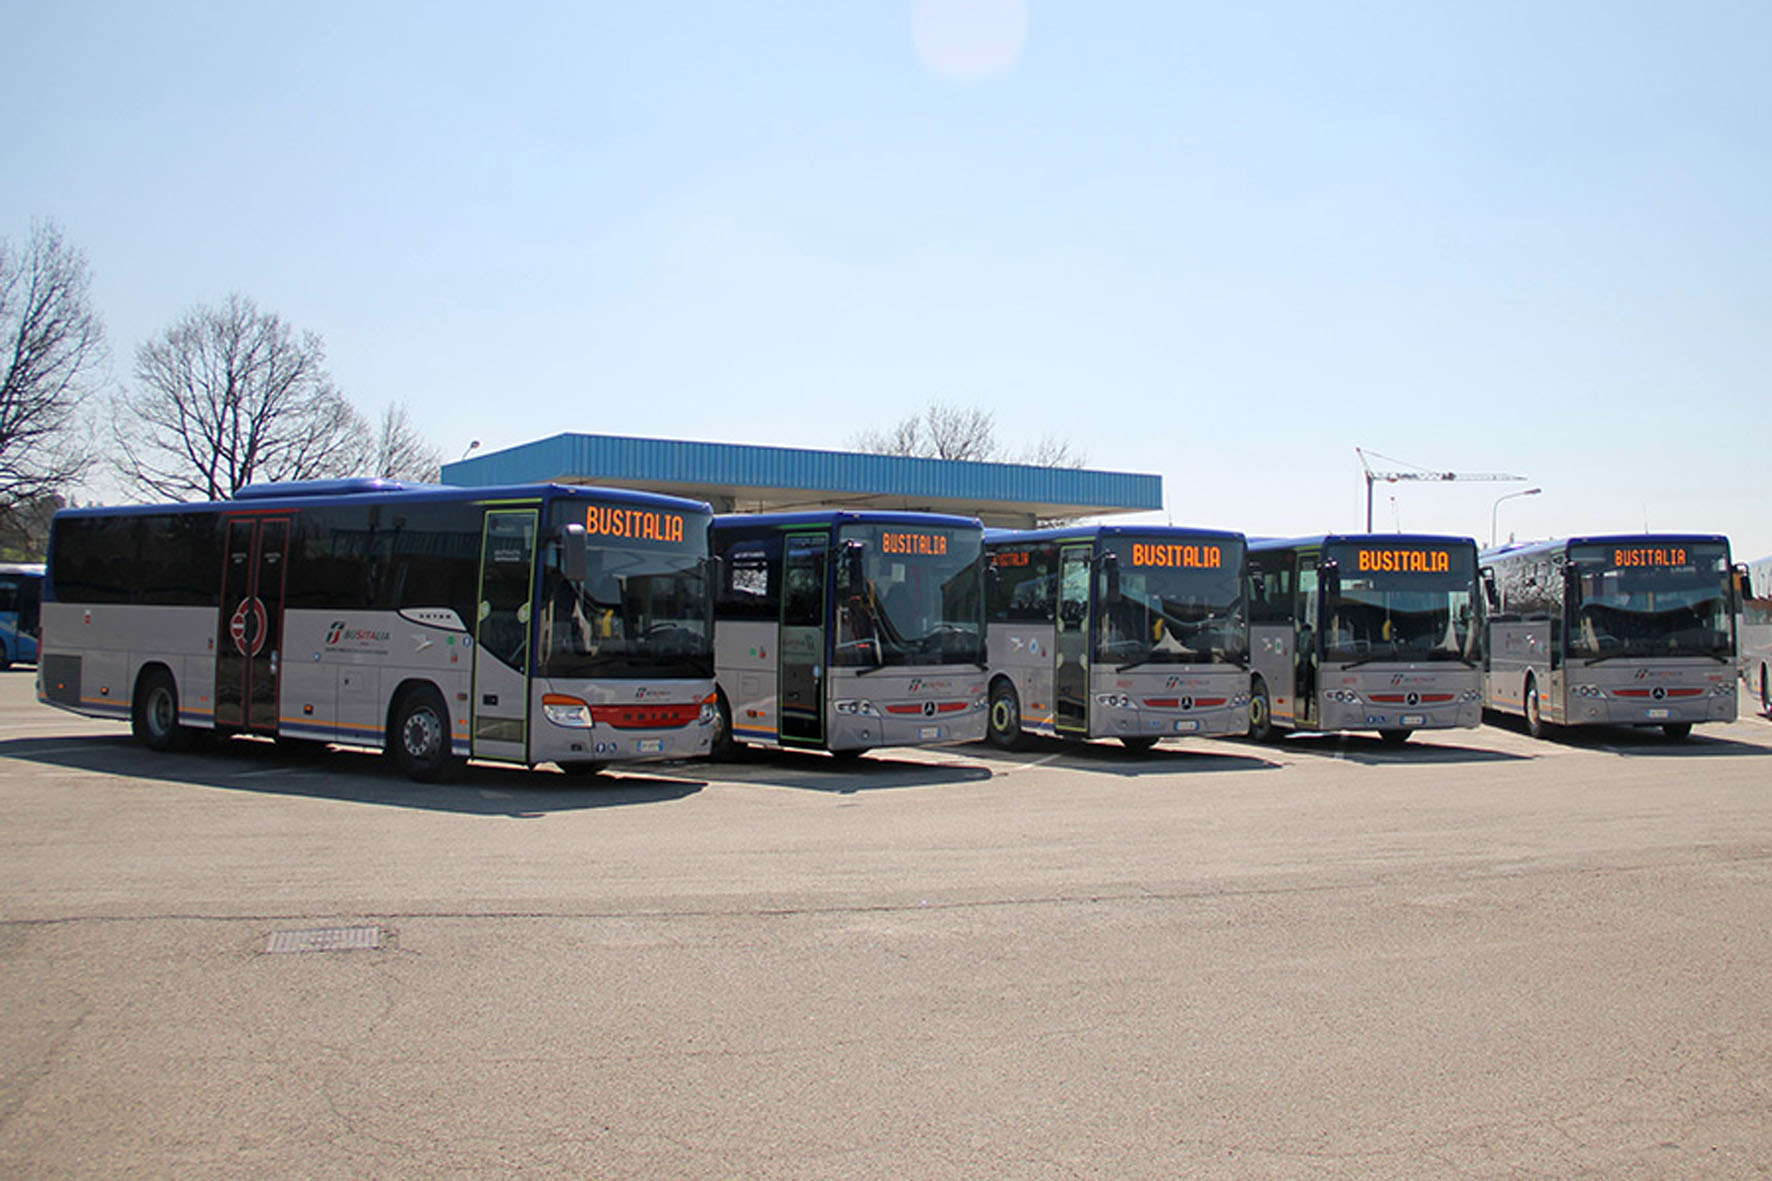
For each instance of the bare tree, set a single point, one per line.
(944, 431)
(230, 395)
(938, 431)
(400, 453)
(54, 356)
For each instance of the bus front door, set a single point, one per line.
(247, 656)
(1304, 644)
(802, 640)
(501, 636)
(1070, 654)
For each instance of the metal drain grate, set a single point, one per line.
(325, 939)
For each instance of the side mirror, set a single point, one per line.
(1744, 584)
(1329, 576)
(1491, 593)
(575, 553)
(854, 565)
(1110, 569)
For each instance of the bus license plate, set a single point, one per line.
(1661, 713)
(651, 746)
(1413, 719)
(929, 732)
(1187, 727)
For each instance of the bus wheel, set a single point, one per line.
(1004, 729)
(722, 747)
(1765, 691)
(1138, 742)
(420, 739)
(1534, 709)
(153, 716)
(1261, 712)
(580, 768)
(1676, 731)
(1394, 737)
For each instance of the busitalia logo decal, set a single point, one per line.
(341, 637)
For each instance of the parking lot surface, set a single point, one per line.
(1476, 955)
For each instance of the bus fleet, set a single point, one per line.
(582, 627)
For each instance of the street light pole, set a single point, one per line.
(1497, 509)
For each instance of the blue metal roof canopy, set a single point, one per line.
(736, 477)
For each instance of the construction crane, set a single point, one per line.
(1373, 477)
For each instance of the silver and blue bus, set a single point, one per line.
(21, 598)
(527, 624)
(1626, 629)
(1112, 631)
(841, 631)
(1364, 631)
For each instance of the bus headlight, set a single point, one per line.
(1470, 695)
(1588, 691)
(1343, 696)
(710, 708)
(859, 708)
(567, 711)
(1111, 700)
(1723, 689)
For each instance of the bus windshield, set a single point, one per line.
(909, 595)
(1400, 601)
(1177, 602)
(643, 610)
(1654, 599)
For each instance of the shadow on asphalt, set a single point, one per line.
(1371, 750)
(1109, 756)
(357, 776)
(874, 770)
(1637, 741)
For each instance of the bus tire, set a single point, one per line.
(153, 714)
(1765, 691)
(580, 768)
(1261, 712)
(1394, 737)
(722, 747)
(5, 656)
(1138, 742)
(1533, 706)
(419, 739)
(1676, 731)
(1004, 726)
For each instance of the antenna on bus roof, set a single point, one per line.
(1419, 473)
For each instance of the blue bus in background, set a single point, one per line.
(21, 597)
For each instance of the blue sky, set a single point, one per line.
(1227, 244)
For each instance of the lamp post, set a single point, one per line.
(1495, 510)
(472, 447)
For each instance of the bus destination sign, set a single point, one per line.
(1404, 561)
(1186, 557)
(929, 545)
(633, 523)
(1649, 555)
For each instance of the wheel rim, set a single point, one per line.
(1002, 717)
(1534, 718)
(1258, 709)
(160, 712)
(422, 735)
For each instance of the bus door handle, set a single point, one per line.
(273, 662)
(488, 699)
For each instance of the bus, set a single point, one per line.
(1754, 632)
(845, 630)
(526, 624)
(1108, 631)
(1364, 631)
(1630, 629)
(21, 597)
